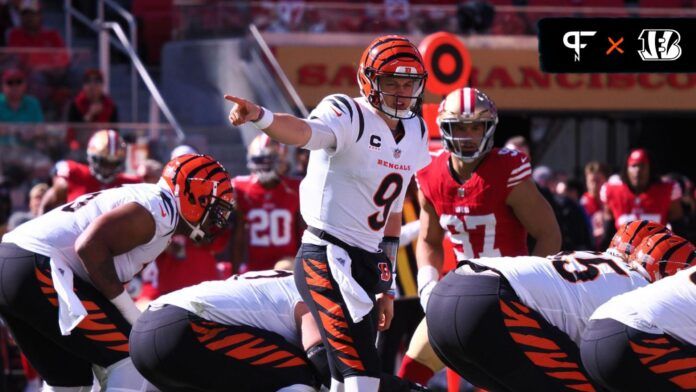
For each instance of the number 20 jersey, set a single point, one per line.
(54, 233)
(566, 288)
(350, 190)
(271, 216)
(475, 214)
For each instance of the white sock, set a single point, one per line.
(361, 384)
(336, 386)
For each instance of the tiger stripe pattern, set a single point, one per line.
(667, 358)
(243, 346)
(524, 327)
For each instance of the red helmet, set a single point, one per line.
(392, 56)
(631, 234)
(203, 190)
(663, 255)
(106, 155)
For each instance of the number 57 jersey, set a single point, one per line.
(475, 213)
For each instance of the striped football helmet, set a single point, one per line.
(663, 255)
(396, 57)
(203, 189)
(631, 234)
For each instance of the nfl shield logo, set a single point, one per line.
(397, 153)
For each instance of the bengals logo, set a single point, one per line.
(660, 45)
(385, 272)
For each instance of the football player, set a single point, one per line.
(106, 157)
(268, 223)
(516, 323)
(62, 274)
(252, 332)
(364, 152)
(482, 198)
(638, 193)
(645, 340)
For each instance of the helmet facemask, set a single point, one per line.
(468, 149)
(216, 215)
(264, 166)
(389, 81)
(104, 169)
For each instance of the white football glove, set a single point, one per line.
(427, 279)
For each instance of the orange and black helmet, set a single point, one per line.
(664, 255)
(203, 189)
(631, 234)
(392, 56)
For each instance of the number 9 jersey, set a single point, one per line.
(350, 190)
(475, 214)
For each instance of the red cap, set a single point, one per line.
(638, 156)
(12, 73)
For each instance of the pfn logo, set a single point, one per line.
(660, 45)
(575, 43)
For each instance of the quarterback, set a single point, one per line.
(364, 152)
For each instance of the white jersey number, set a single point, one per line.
(269, 228)
(459, 227)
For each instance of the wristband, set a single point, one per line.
(426, 275)
(265, 120)
(126, 306)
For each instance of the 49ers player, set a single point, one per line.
(638, 193)
(645, 340)
(106, 156)
(516, 324)
(482, 197)
(268, 221)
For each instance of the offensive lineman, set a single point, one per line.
(646, 339)
(364, 152)
(482, 197)
(251, 331)
(62, 274)
(516, 324)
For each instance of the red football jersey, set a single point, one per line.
(479, 222)
(652, 205)
(590, 203)
(271, 216)
(81, 181)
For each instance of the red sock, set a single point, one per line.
(415, 371)
(29, 371)
(452, 381)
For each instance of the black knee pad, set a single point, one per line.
(317, 356)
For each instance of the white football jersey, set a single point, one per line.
(54, 233)
(666, 306)
(349, 191)
(261, 299)
(566, 288)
